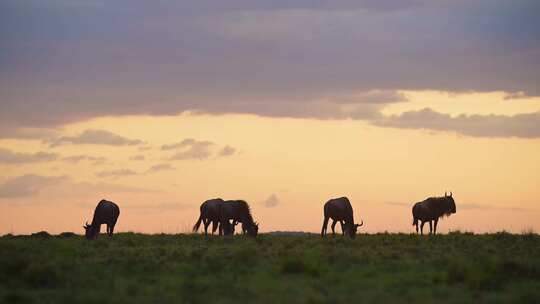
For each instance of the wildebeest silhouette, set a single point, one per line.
(431, 209)
(340, 210)
(239, 211)
(106, 212)
(210, 211)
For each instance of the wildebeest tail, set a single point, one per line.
(414, 214)
(197, 224)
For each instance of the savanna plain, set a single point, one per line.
(191, 268)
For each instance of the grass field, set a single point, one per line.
(379, 268)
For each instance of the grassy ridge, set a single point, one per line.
(381, 268)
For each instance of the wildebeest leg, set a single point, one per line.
(333, 226)
(244, 227)
(417, 228)
(342, 227)
(324, 226)
(435, 226)
(430, 228)
(206, 223)
(111, 229)
(216, 225)
(422, 227)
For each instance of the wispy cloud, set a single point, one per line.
(520, 125)
(10, 157)
(197, 149)
(160, 167)
(62, 187)
(27, 185)
(139, 157)
(116, 173)
(94, 137)
(188, 142)
(190, 149)
(271, 202)
(227, 151)
(78, 158)
(144, 148)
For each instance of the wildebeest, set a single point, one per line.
(432, 209)
(340, 210)
(210, 211)
(106, 212)
(239, 211)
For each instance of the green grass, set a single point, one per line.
(380, 268)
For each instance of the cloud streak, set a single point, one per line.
(160, 167)
(190, 149)
(94, 137)
(75, 159)
(116, 173)
(138, 157)
(28, 185)
(227, 151)
(10, 157)
(60, 186)
(520, 125)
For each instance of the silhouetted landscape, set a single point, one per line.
(272, 268)
(244, 151)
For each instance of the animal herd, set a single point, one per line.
(225, 215)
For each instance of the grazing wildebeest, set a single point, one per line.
(432, 209)
(239, 211)
(340, 210)
(210, 211)
(106, 213)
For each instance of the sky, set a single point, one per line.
(161, 105)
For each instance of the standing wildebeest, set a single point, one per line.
(340, 210)
(106, 213)
(239, 211)
(210, 211)
(432, 209)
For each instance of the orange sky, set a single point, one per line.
(300, 162)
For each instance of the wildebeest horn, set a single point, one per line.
(445, 195)
(450, 193)
(362, 223)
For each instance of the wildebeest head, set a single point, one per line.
(90, 231)
(353, 229)
(450, 205)
(253, 229)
